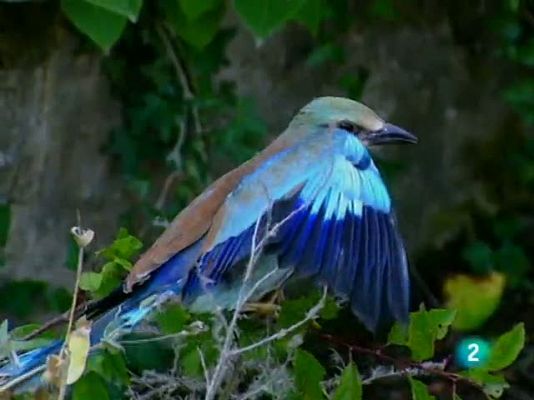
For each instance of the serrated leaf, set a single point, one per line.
(266, 16)
(419, 390)
(506, 348)
(350, 385)
(475, 299)
(308, 375)
(125, 8)
(424, 329)
(90, 387)
(398, 334)
(101, 26)
(195, 8)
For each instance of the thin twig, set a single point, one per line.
(311, 314)
(14, 382)
(428, 368)
(219, 372)
(62, 352)
(180, 69)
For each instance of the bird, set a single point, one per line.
(316, 201)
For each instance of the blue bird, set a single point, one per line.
(315, 200)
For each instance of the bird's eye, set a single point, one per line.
(348, 126)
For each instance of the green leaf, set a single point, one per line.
(506, 348)
(90, 386)
(124, 246)
(424, 329)
(350, 385)
(110, 365)
(90, 281)
(172, 319)
(125, 8)
(196, 32)
(195, 8)
(266, 16)
(398, 335)
(475, 299)
(101, 26)
(419, 390)
(492, 385)
(294, 310)
(312, 13)
(190, 362)
(308, 375)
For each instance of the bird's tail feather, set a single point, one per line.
(116, 314)
(111, 317)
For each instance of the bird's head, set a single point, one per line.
(353, 117)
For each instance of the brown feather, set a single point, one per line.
(197, 218)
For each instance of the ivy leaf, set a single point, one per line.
(419, 390)
(125, 8)
(91, 386)
(506, 348)
(312, 13)
(266, 16)
(308, 375)
(102, 26)
(475, 299)
(196, 32)
(424, 329)
(195, 8)
(350, 385)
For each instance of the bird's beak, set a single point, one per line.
(390, 134)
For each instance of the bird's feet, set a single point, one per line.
(270, 307)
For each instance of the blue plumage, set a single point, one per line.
(336, 226)
(316, 200)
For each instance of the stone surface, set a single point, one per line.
(56, 113)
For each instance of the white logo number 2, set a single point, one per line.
(473, 348)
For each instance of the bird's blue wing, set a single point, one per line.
(332, 222)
